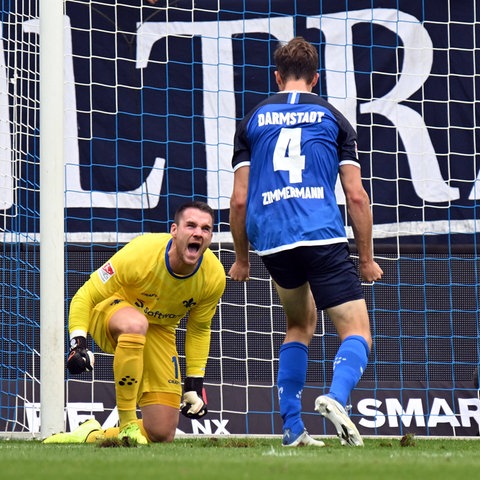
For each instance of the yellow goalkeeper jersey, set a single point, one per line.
(140, 274)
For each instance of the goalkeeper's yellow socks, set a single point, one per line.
(349, 365)
(127, 373)
(126, 416)
(292, 372)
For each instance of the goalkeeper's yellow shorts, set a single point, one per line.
(161, 381)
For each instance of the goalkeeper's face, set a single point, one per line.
(191, 237)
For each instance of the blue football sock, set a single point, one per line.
(348, 367)
(292, 374)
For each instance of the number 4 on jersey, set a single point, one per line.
(287, 156)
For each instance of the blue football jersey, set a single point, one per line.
(294, 143)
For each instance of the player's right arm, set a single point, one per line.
(80, 359)
(102, 284)
(81, 306)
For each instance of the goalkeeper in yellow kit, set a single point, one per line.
(132, 306)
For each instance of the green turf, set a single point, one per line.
(236, 458)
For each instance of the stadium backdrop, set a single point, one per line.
(154, 106)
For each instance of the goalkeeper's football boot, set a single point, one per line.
(132, 432)
(79, 435)
(346, 430)
(299, 440)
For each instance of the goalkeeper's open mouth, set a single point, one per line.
(194, 250)
(193, 247)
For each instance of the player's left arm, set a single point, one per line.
(198, 333)
(197, 347)
(357, 199)
(359, 212)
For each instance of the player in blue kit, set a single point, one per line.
(288, 152)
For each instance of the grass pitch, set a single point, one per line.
(244, 458)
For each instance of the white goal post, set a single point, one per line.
(52, 236)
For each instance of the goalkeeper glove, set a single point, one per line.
(80, 359)
(194, 403)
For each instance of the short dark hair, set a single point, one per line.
(296, 59)
(204, 207)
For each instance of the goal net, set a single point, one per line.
(152, 95)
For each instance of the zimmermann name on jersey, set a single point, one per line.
(292, 192)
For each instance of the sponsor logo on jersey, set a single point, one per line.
(156, 313)
(106, 271)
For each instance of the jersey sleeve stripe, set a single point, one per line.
(241, 164)
(349, 162)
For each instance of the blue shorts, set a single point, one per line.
(329, 270)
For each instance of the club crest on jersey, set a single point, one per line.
(106, 271)
(189, 303)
